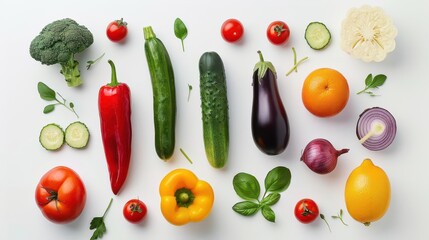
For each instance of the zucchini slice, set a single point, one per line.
(51, 137)
(317, 35)
(77, 135)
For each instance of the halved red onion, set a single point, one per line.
(376, 128)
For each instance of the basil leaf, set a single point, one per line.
(49, 108)
(246, 208)
(180, 31)
(268, 213)
(271, 199)
(246, 186)
(378, 80)
(278, 179)
(45, 92)
(368, 80)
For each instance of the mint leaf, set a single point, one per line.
(246, 186)
(278, 179)
(246, 208)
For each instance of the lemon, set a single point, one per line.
(367, 193)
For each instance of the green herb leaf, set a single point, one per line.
(91, 62)
(49, 108)
(246, 186)
(278, 179)
(97, 223)
(340, 216)
(45, 92)
(271, 199)
(180, 31)
(324, 219)
(268, 213)
(246, 208)
(372, 83)
(189, 91)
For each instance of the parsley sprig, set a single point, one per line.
(97, 223)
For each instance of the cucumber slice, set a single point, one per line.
(51, 137)
(317, 35)
(77, 135)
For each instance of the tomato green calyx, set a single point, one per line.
(114, 82)
(121, 22)
(279, 29)
(184, 197)
(135, 207)
(262, 67)
(306, 211)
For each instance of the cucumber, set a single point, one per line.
(164, 93)
(214, 108)
(317, 35)
(77, 135)
(51, 137)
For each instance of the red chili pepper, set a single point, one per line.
(114, 105)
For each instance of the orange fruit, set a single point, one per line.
(367, 193)
(325, 92)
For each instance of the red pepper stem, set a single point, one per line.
(114, 81)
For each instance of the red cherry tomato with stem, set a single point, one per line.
(134, 210)
(278, 32)
(232, 30)
(117, 30)
(61, 195)
(306, 210)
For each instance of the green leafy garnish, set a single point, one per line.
(247, 187)
(324, 219)
(340, 216)
(46, 93)
(295, 63)
(189, 91)
(180, 31)
(91, 62)
(373, 83)
(97, 223)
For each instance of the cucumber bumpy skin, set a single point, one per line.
(214, 108)
(51, 137)
(164, 94)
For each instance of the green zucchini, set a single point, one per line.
(214, 108)
(164, 93)
(77, 135)
(51, 137)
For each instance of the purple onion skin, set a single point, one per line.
(320, 156)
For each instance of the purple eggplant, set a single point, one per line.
(270, 125)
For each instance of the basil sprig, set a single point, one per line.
(180, 31)
(247, 187)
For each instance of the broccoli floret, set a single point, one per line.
(58, 42)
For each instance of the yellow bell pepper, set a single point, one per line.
(185, 198)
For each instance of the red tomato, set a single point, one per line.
(134, 210)
(232, 30)
(306, 210)
(278, 32)
(117, 30)
(61, 195)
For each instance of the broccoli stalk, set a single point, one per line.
(58, 43)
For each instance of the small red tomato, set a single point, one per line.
(117, 30)
(306, 210)
(134, 210)
(232, 30)
(278, 32)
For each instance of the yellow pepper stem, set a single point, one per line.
(184, 197)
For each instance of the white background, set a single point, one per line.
(24, 161)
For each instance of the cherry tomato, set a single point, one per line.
(61, 195)
(117, 30)
(134, 210)
(232, 30)
(278, 32)
(306, 210)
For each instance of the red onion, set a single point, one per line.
(376, 128)
(320, 156)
